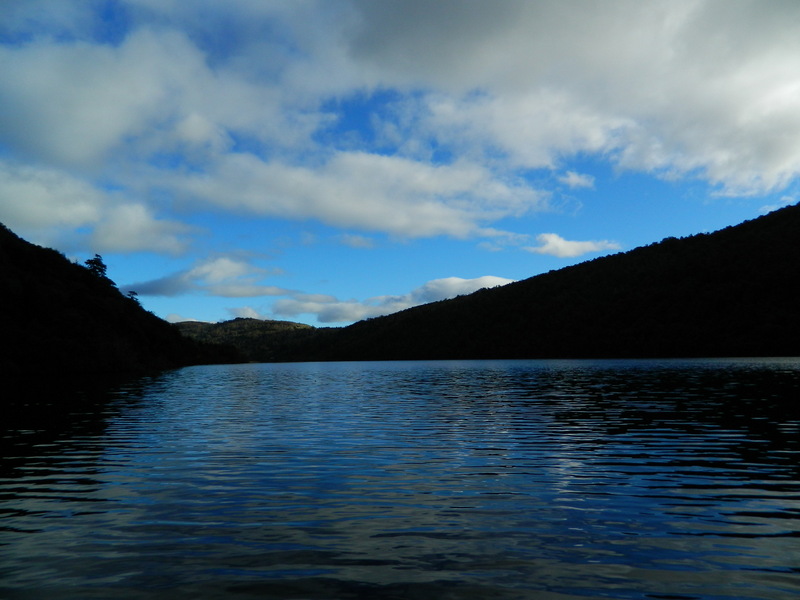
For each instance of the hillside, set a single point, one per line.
(62, 319)
(733, 292)
(257, 340)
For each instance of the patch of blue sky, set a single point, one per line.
(6, 151)
(112, 22)
(632, 207)
(357, 121)
(242, 143)
(15, 37)
(126, 268)
(100, 21)
(170, 161)
(380, 122)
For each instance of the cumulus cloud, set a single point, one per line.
(115, 98)
(329, 309)
(357, 189)
(356, 241)
(153, 93)
(531, 129)
(133, 227)
(575, 180)
(555, 245)
(33, 197)
(170, 105)
(45, 200)
(678, 88)
(226, 276)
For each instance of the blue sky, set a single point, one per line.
(325, 161)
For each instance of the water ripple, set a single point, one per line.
(510, 479)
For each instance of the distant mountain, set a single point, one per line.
(59, 318)
(734, 292)
(257, 340)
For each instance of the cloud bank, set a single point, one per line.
(465, 99)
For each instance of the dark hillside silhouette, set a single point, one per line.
(65, 319)
(729, 293)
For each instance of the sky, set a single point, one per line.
(326, 161)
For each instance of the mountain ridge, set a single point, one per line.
(732, 292)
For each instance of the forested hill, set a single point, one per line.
(59, 318)
(729, 293)
(256, 340)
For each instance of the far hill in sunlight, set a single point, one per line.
(257, 340)
(733, 292)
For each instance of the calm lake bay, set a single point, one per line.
(550, 480)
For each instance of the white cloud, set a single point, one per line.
(362, 190)
(32, 197)
(42, 201)
(555, 245)
(230, 277)
(331, 310)
(575, 180)
(483, 92)
(104, 95)
(356, 241)
(133, 227)
(155, 93)
(706, 88)
(532, 128)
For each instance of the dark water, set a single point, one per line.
(512, 479)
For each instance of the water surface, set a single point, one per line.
(444, 480)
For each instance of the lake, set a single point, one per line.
(551, 480)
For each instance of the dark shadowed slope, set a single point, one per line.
(59, 318)
(729, 293)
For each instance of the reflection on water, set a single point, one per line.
(510, 479)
